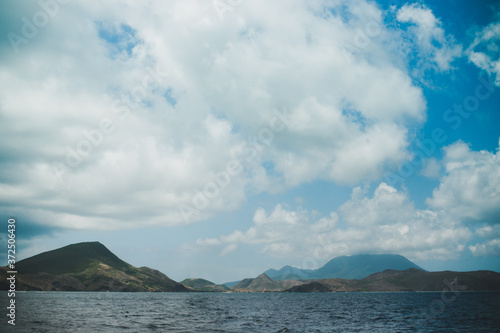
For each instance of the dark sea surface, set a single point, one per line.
(259, 312)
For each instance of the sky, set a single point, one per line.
(218, 139)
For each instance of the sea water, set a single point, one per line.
(253, 312)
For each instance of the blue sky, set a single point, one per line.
(220, 139)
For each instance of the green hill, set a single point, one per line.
(72, 259)
(87, 267)
(260, 283)
(263, 283)
(203, 285)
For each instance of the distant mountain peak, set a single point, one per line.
(71, 259)
(260, 283)
(263, 276)
(356, 266)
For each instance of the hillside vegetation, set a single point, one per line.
(86, 266)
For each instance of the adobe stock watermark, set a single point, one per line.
(220, 180)
(95, 137)
(223, 6)
(12, 271)
(453, 116)
(31, 26)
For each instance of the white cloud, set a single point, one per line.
(484, 51)
(489, 231)
(386, 204)
(489, 248)
(470, 188)
(386, 222)
(226, 76)
(430, 36)
(431, 168)
(228, 249)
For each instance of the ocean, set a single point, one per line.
(253, 312)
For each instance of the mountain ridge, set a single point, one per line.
(409, 280)
(346, 267)
(412, 280)
(90, 266)
(87, 266)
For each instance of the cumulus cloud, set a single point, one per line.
(431, 168)
(469, 193)
(470, 189)
(489, 248)
(385, 222)
(463, 214)
(116, 117)
(429, 35)
(491, 241)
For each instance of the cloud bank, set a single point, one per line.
(118, 115)
(465, 205)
